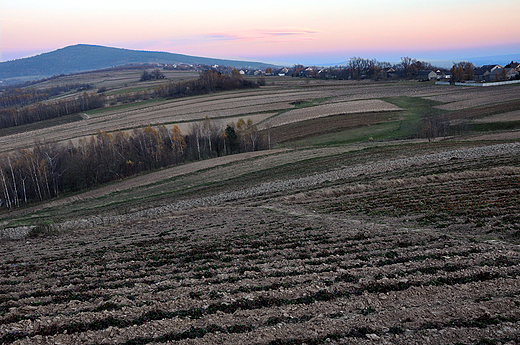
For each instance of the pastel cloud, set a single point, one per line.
(294, 35)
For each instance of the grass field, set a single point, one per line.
(351, 230)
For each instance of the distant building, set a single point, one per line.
(512, 73)
(445, 75)
(486, 72)
(283, 72)
(392, 73)
(427, 75)
(496, 74)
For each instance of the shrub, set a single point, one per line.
(41, 230)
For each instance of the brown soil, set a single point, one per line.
(483, 111)
(505, 117)
(273, 275)
(331, 109)
(324, 263)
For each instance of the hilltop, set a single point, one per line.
(83, 57)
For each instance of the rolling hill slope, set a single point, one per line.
(82, 57)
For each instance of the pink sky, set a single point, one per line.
(273, 31)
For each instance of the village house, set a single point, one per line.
(283, 72)
(497, 74)
(308, 72)
(392, 73)
(445, 75)
(514, 65)
(486, 72)
(427, 75)
(512, 73)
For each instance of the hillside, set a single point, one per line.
(386, 213)
(82, 57)
(330, 258)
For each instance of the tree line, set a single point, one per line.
(362, 68)
(208, 81)
(22, 96)
(48, 170)
(156, 74)
(462, 71)
(17, 116)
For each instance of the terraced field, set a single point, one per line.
(332, 109)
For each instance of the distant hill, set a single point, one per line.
(83, 57)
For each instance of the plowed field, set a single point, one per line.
(258, 276)
(384, 252)
(377, 242)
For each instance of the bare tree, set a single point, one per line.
(7, 195)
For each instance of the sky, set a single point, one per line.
(279, 31)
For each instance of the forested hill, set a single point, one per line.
(82, 57)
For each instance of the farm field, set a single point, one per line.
(115, 80)
(388, 240)
(503, 117)
(301, 262)
(272, 105)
